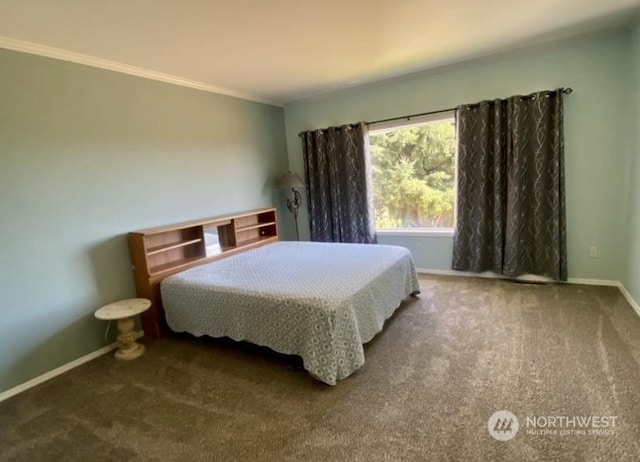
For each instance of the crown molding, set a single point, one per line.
(78, 58)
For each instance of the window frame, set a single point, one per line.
(409, 122)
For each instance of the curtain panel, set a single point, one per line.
(510, 212)
(338, 179)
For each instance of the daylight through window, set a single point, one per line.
(414, 174)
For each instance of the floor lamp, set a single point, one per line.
(293, 181)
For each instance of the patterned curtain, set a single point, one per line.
(511, 194)
(338, 177)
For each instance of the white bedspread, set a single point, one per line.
(320, 301)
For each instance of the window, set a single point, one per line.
(414, 174)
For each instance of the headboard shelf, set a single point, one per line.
(174, 265)
(159, 252)
(259, 225)
(171, 246)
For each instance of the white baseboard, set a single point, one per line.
(490, 275)
(527, 277)
(629, 298)
(60, 370)
(594, 282)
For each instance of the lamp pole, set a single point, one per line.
(293, 205)
(293, 181)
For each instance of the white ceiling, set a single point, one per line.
(283, 50)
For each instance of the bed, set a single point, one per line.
(321, 301)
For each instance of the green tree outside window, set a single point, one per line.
(414, 176)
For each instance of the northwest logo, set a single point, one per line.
(503, 425)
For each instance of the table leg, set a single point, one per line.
(129, 348)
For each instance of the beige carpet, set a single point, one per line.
(443, 365)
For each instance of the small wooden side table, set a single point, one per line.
(124, 311)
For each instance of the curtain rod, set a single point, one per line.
(408, 117)
(566, 91)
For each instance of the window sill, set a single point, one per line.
(423, 232)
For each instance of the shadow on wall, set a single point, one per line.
(112, 273)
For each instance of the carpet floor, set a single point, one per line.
(445, 362)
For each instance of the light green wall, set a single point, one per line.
(633, 280)
(87, 155)
(596, 115)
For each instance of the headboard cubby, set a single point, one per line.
(159, 252)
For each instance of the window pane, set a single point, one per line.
(414, 176)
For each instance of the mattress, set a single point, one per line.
(321, 301)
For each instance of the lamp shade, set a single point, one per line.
(290, 180)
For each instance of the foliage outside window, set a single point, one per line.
(414, 175)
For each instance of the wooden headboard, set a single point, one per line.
(160, 252)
